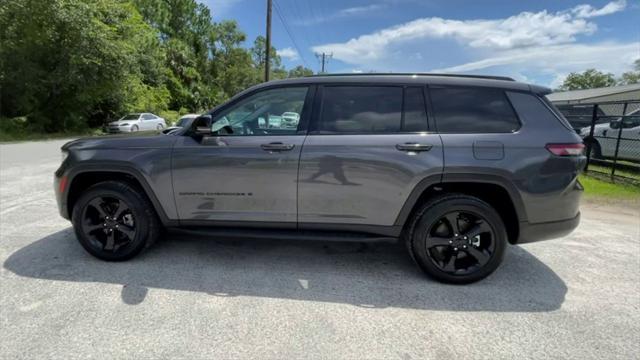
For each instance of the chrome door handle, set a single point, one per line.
(413, 147)
(277, 146)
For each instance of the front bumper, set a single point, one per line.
(547, 230)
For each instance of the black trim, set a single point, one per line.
(283, 234)
(411, 201)
(391, 231)
(547, 230)
(463, 177)
(122, 169)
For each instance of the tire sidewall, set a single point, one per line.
(434, 212)
(137, 207)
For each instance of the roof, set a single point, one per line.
(580, 95)
(417, 79)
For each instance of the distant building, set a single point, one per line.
(599, 95)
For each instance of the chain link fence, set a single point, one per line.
(611, 132)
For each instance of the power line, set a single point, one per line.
(286, 28)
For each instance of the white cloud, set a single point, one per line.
(342, 13)
(588, 11)
(559, 58)
(288, 53)
(521, 45)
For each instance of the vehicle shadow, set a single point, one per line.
(368, 275)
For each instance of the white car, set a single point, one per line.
(137, 122)
(184, 121)
(605, 137)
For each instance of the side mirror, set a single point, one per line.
(202, 125)
(614, 124)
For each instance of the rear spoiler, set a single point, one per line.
(540, 90)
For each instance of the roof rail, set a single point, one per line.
(505, 78)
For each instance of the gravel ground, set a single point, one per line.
(571, 298)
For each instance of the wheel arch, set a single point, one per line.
(83, 177)
(496, 191)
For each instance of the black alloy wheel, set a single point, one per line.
(460, 243)
(114, 220)
(457, 238)
(108, 223)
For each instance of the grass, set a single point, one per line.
(632, 175)
(595, 188)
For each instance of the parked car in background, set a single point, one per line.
(137, 122)
(184, 122)
(605, 137)
(579, 116)
(290, 119)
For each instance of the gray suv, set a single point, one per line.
(456, 167)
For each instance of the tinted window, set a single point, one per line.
(472, 110)
(148, 117)
(415, 113)
(361, 109)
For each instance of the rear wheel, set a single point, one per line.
(457, 239)
(159, 127)
(114, 222)
(134, 128)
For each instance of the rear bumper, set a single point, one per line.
(547, 230)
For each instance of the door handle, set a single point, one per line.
(414, 147)
(277, 146)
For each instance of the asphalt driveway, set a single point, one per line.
(193, 297)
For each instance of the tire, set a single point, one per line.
(134, 128)
(596, 151)
(130, 225)
(159, 127)
(433, 246)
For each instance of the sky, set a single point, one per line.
(536, 41)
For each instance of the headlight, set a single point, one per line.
(64, 154)
(125, 124)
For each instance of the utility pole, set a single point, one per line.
(267, 56)
(323, 58)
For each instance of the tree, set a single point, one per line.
(74, 63)
(258, 53)
(631, 77)
(589, 79)
(300, 71)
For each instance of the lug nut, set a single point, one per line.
(450, 242)
(464, 246)
(455, 249)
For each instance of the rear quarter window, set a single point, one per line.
(473, 110)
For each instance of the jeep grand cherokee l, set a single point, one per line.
(456, 167)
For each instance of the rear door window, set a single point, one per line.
(472, 110)
(361, 109)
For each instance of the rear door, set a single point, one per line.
(368, 148)
(248, 172)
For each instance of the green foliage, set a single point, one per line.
(593, 78)
(631, 77)
(300, 71)
(589, 79)
(70, 65)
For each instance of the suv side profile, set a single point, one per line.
(456, 167)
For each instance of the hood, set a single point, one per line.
(126, 141)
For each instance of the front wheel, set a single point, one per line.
(113, 221)
(134, 128)
(457, 239)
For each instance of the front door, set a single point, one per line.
(247, 169)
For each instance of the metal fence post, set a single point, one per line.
(615, 155)
(594, 118)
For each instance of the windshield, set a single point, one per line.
(183, 121)
(131, 117)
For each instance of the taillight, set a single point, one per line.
(63, 184)
(566, 149)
